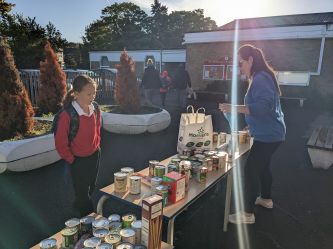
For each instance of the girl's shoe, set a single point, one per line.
(266, 203)
(242, 218)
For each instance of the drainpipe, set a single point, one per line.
(321, 54)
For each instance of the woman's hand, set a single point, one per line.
(223, 107)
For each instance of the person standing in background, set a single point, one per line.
(265, 120)
(165, 85)
(181, 82)
(150, 82)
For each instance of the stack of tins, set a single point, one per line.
(125, 181)
(101, 233)
(152, 211)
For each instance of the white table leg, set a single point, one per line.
(171, 225)
(227, 202)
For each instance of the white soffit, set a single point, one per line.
(274, 33)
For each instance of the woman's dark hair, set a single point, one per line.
(79, 82)
(259, 62)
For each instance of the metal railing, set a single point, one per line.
(104, 78)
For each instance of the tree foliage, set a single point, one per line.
(125, 25)
(27, 39)
(16, 111)
(52, 83)
(126, 89)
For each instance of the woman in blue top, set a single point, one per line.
(265, 121)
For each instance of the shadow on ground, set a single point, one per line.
(35, 204)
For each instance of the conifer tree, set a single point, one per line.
(52, 83)
(16, 111)
(126, 88)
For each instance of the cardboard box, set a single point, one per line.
(176, 184)
(151, 230)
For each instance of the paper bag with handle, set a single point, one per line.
(195, 130)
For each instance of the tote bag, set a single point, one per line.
(195, 130)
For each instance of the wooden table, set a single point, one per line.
(196, 190)
(58, 237)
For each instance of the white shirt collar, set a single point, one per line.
(80, 111)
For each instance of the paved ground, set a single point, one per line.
(34, 205)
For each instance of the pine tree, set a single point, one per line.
(16, 111)
(126, 88)
(52, 83)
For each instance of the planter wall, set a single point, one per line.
(136, 124)
(28, 154)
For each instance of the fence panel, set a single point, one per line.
(104, 78)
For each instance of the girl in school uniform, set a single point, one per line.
(81, 151)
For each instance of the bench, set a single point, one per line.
(320, 147)
(300, 99)
(212, 95)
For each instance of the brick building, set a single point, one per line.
(298, 47)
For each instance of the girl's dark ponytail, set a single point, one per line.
(69, 98)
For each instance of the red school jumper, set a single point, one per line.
(86, 141)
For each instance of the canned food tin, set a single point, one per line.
(135, 185)
(200, 156)
(209, 164)
(172, 167)
(159, 170)
(86, 224)
(223, 137)
(125, 246)
(127, 235)
(140, 247)
(175, 161)
(92, 242)
(183, 157)
(215, 137)
(163, 191)
(222, 159)
(114, 217)
(129, 172)
(48, 244)
(215, 162)
(187, 152)
(136, 226)
(101, 233)
(74, 222)
(127, 220)
(69, 237)
(113, 239)
(100, 223)
(120, 182)
(152, 164)
(154, 182)
(242, 137)
(202, 176)
(115, 225)
(104, 246)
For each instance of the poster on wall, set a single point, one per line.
(213, 72)
(220, 69)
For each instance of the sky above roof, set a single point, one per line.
(72, 16)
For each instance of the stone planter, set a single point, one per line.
(136, 123)
(28, 154)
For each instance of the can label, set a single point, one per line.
(159, 170)
(135, 185)
(120, 182)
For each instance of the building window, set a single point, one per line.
(105, 61)
(293, 78)
(213, 72)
